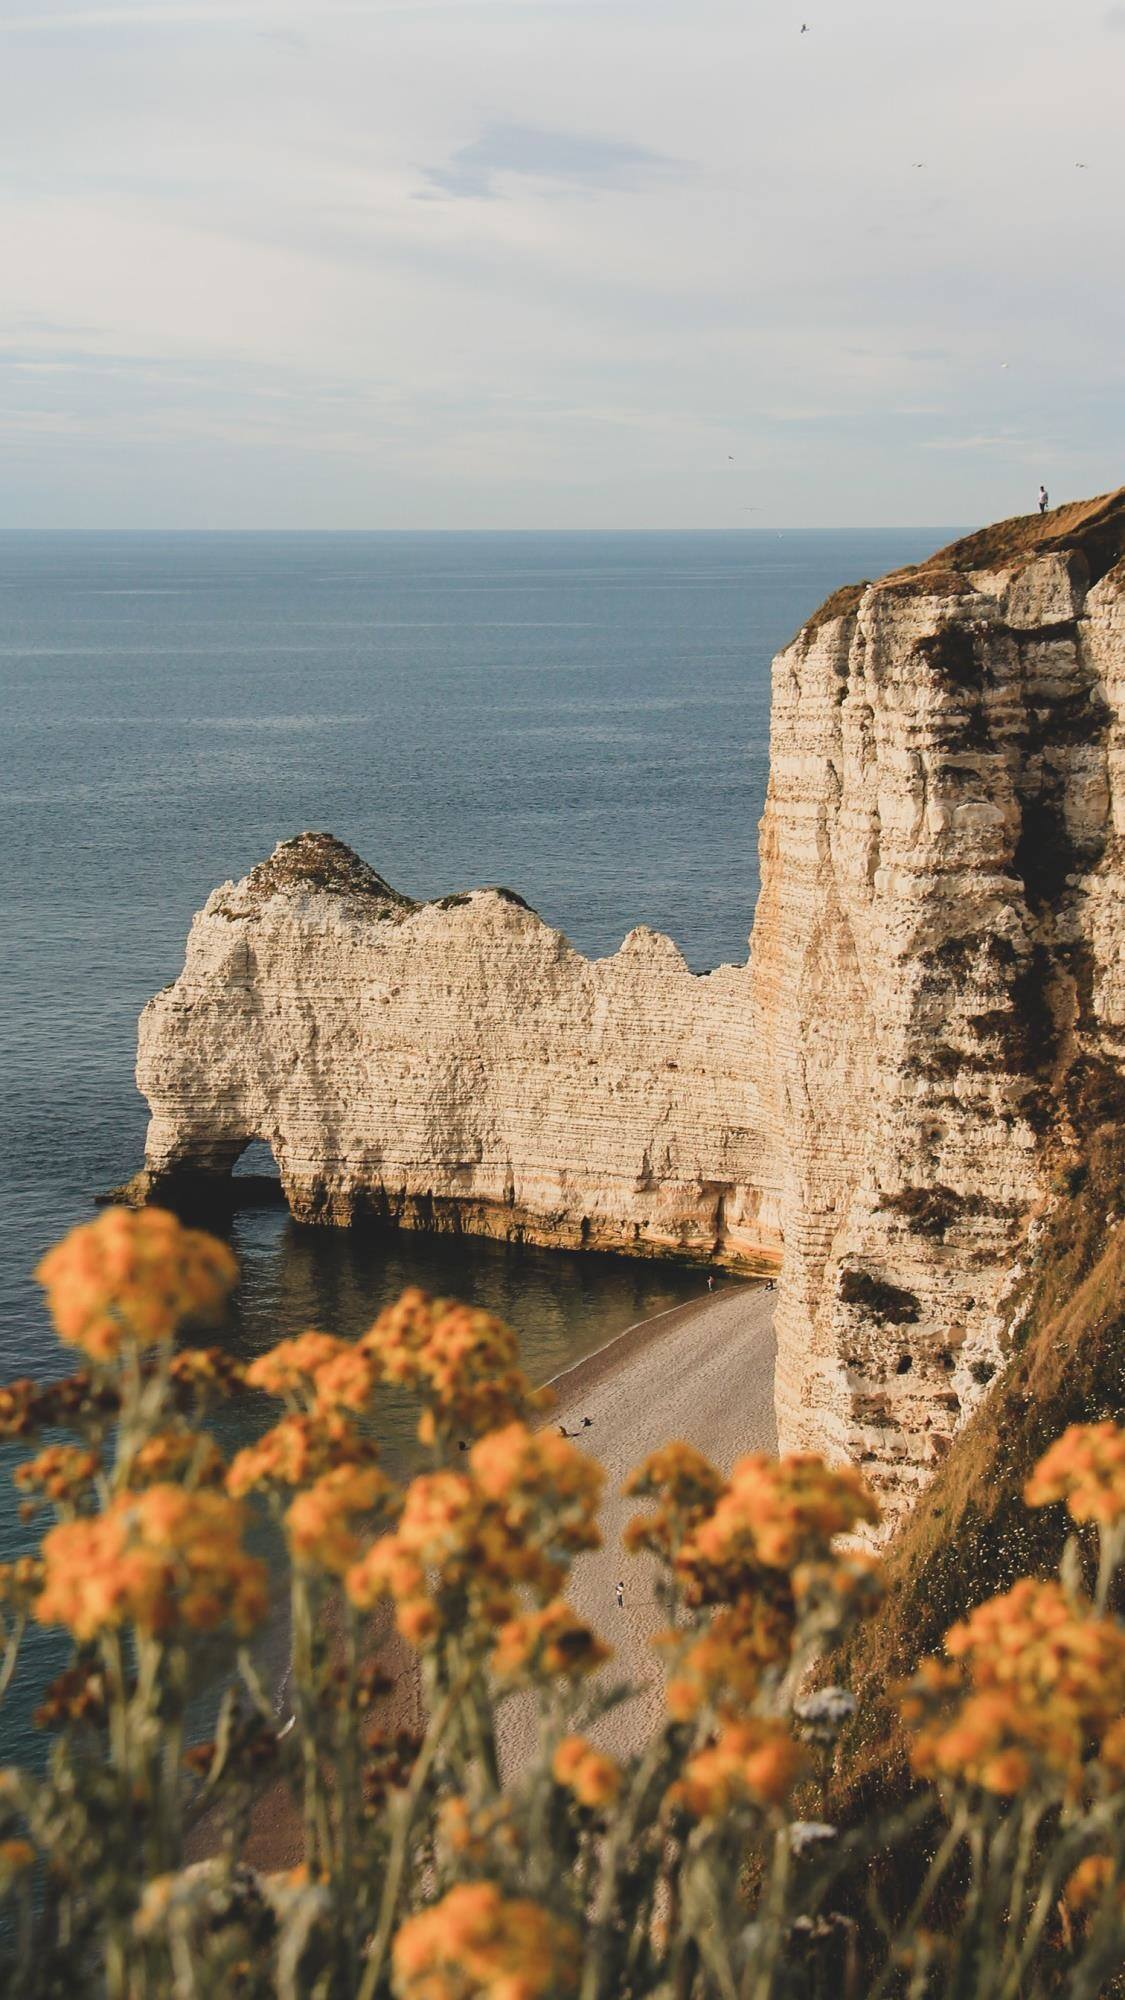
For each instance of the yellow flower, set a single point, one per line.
(197, 1373)
(725, 1664)
(1086, 1468)
(753, 1762)
(463, 1362)
(552, 1644)
(322, 1523)
(347, 1382)
(1038, 1681)
(291, 1368)
(296, 1450)
(594, 1779)
(774, 1514)
(438, 1532)
(466, 1554)
(192, 1456)
(547, 1489)
(64, 1473)
(686, 1487)
(476, 1945)
(132, 1276)
(161, 1560)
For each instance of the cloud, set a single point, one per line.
(527, 152)
(977, 443)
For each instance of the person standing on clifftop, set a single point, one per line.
(1042, 499)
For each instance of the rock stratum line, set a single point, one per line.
(875, 1100)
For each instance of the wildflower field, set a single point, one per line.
(697, 1866)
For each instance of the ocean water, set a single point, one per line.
(581, 717)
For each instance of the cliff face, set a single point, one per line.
(936, 979)
(937, 946)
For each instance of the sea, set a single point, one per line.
(581, 717)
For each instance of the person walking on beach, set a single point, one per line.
(619, 1593)
(1042, 499)
(710, 1281)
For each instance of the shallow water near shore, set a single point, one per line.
(581, 717)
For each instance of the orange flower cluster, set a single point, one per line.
(197, 1374)
(1086, 1468)
(477, 1945)
(323, 1522)
(315, 1371)
(462, 1362)
(63, 1473)
(163, 1560)
(759, 1548)
(547, 1645)
(16, 1418)
(547, 1491)
(1036, 1644)
(1040, 1682)
(192, 1457)
(133, 1277)
(468, 1542)
(440, 1530)
(755, 1762)
(977, 1739)
(775, 1514)
(26, 1406)
(725, 1664)
(298, 1449)
(686, 1487)
(594, 1779)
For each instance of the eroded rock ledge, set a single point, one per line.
(934, 989)
(458, 1065)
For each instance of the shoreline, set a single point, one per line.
(604, 1362)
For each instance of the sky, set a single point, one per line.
(558, 263)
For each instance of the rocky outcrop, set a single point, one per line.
(936, 980)
(458, 1065)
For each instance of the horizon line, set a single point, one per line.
(857, 528)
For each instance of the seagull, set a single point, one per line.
(1005, 364)
(804, 27)
(1080, 163)
(918, 163)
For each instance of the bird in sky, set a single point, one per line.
(1005, 364)
(804, 27)
(919, 163)
(1080, 163)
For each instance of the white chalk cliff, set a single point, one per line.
(876, 1099)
